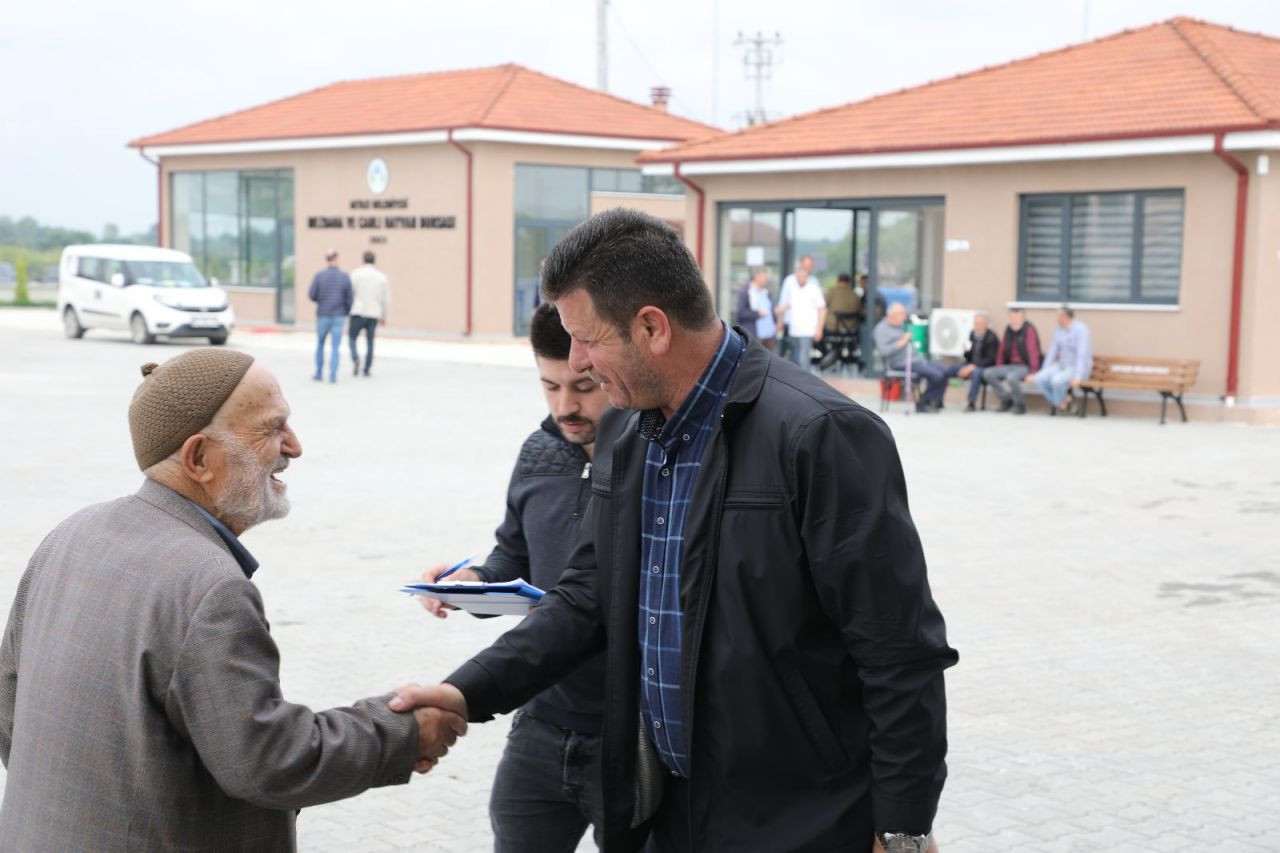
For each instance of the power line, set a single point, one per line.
(659, 77)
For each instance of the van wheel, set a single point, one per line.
(71, 324)
(138, 328)
(217, 340)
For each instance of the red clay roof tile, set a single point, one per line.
(508, 97)
(1179, 76)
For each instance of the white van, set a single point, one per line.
(142, 289)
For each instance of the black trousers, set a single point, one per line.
(370, 325)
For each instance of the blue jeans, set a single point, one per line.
(328, 326)
(975, 379)
(547, 790)
(801, 350)
(1054, 380)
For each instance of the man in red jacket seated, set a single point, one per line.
(1017, 359)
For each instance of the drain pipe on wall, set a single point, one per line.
(159, 196)
(702, 204)
(1237, 267)
(466, 152)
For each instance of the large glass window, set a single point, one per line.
(552, 192)
(749, 238)
(1101, 247)
(909, 246)
(549, 200)
(238, 227)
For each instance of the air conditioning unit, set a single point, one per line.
(949, 330)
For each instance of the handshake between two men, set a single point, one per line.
(441, 713)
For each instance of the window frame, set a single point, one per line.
(1067, 201)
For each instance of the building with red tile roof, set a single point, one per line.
(1178, 77)
(502, 97)
(459, 182)
(1128, 176)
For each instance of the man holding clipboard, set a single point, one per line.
(547, 788)
(774, 656)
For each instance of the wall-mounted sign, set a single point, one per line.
(378, 176)
(382, 223)
(387, 221)
(755, 256)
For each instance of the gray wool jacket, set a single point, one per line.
(140, 701)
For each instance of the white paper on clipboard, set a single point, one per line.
(510, 598)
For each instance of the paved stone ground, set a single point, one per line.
(1112, 585)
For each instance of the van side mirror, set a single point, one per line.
(117, 279)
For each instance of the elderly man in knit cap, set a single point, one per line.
(140, 703)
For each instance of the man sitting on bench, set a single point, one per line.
(1069, 362)
(979, 355)
(1018, 358)
(892, 339)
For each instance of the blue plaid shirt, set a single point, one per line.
(670, 470)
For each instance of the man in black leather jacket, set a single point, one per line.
(547, 788)
(808, 686)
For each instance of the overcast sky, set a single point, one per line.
(78, 80)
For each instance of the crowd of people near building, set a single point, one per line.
(804, 316)
(1002, 364)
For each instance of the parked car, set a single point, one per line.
(144, 290)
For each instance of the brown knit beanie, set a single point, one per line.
(179, 398)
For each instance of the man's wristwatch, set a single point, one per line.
(897, 842)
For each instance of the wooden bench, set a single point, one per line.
(1168, 377)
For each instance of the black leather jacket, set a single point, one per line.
(812, 683)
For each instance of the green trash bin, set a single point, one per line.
(920, 336)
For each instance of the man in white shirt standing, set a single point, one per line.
(371, 303)
(806, 308)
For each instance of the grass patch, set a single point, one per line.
(39, 303)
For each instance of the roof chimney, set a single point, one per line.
(659, 95)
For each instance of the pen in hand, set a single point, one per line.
(461, 564)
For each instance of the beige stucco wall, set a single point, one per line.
(666, 207)
(426, 267)
(495, 219)
(1259, 341)
(982, 207)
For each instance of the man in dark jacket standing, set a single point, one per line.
(979, 355)
(773, 653)
(332, 294)
(547, 788)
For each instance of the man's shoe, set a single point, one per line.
(971, 407)
(355, 369)
(317, 378)
(1020, 409)
(925, 407)
(1007, 405)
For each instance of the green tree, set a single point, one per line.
(21, 295)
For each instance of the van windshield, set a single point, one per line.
(163, 274)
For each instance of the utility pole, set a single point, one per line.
(602, 45)
(715, 60)
(758, 64)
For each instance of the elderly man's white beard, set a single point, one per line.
(248, 498)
